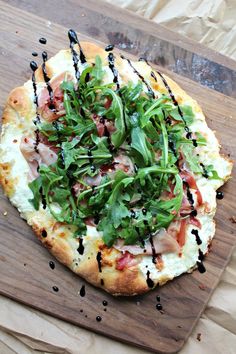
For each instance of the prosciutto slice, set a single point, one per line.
(43, 155)
(162, 243)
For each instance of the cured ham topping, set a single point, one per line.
(190, 180)
(162, 243)
(43, 155)
(127, 260)
(58, 98)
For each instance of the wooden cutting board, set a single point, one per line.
(25, 274)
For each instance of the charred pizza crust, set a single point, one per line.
(57, 237)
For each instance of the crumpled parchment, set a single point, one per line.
(210, 22)
(27, 331)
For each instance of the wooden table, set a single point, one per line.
(22, 24)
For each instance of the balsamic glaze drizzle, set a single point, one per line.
(200, 264)
(109, 48)
(219, 195)
(43, 40)
(44, 203)
(150, 91)
(99, 260)
(141, 240)
(47, 79)
(154, 255)
(111, 64)
(189, 194)
(74, 40)
(82, 291)
(159, 307)
(205, 173)
(80, 249)
(149, 281)
(51, 265)
(195, 233)
(34, 67)
(111, 61)
(55, 288)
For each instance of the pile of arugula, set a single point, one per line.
(125, 206)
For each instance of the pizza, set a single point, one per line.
(113, 166)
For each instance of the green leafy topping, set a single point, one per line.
(119, 159)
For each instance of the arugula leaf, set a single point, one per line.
(187, 114)
(191, 159)
(35, 188)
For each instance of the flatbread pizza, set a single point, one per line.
(113, 166)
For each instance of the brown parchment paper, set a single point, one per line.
(27, 331)
(211, 22)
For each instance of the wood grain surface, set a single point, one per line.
(25, 274)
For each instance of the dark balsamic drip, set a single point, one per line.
(55, 124)
(81, 311)
(107, 134)
(42, 40)
(35, 54)
(80, 249)
(47, 79)
(159, 307)
(149, 281)
(150, 91)
(74, 40)
(111, 61)
(87, 77)
(189, 194)
(109, 48)
(93, 168)
(132, 214)
(82, 291)
(55, 288)
(205, 173)
(102, 282)
(193, 213)
(200, 265)
(99, 260)
(189, 134)
(219, 195)
(154, 254)
(111, 64)
(105, 309)
(195, 233)
(105, 303)
(144, 211)
(43, 198)
(173, 148)
(141, 240)
(158, 298)
(153, 76)
(44, 233)
(34, 67)
(98, 318)
(51, 265)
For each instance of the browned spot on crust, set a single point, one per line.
(5, 180)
